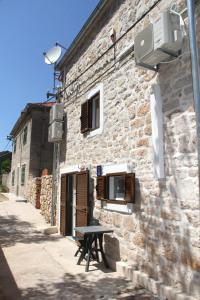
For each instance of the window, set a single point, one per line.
(23, 170)
(14, 145)
(116, 188)
(25, 135)
(90, 114)
(13, 178)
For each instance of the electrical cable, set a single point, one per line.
(5, 148)
(102, 55)
(171, 61)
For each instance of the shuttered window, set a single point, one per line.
(25, 131)
(13, 178)
(90, 114)
(101, 187)
(85, 117)
(130, 187)
(82, 198)
(23, 172)
(14, 145)
(117, 188)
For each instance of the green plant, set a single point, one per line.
(5, 166)
(3, 189)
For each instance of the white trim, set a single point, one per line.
(117, 168)
(97, 89)
(69, 169)
(127, 208)
(157, 132)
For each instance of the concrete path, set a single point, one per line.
(44, 266)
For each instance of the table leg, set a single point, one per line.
(101, 250)
(89, 251)
(84, 251)
(96, 249)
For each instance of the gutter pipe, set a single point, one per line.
(195, 73)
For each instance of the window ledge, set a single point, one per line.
(95, 132)
(123, 208)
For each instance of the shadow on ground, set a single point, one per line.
(78, 287)
(13, 230)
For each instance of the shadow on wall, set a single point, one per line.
(13, 230)
(170, 224)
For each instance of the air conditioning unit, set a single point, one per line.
(55, 132)
(56, 113)
(159, 41)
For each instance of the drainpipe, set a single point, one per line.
(195, 72)
(54, 184)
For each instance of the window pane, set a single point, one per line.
(14, 145)
(116, 187)
(23, 174)
(95, 112)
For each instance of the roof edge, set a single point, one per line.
(28, 108)
(84, 30)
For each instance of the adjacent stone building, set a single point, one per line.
(128, 158)
(32, 153)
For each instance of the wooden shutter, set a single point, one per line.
(85, 116)
(101, 188)
(82, 198)
(130, 187)
(63, 196)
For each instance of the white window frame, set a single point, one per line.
(123, 208)
(93, 92)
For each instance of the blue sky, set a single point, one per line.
(27, 29)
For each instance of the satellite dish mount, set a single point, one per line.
(51, 57)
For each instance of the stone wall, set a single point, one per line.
(6, 179)
(33, 191)
(46, 197)
(161, 236)
(39, 194)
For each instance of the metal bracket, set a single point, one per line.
(155, 69)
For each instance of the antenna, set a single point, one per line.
(52, 55)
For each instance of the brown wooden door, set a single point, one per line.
(82, 198)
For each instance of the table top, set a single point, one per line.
(93, 229)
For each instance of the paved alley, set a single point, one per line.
(44, 266)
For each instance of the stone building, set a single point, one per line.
(31, 150)
(135, 128)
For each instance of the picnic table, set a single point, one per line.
(92, 244)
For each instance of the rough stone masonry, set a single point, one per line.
(161, 236)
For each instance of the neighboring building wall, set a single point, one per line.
(161, 235)
(36, 154)
(6, 179)
(21, 157)
(41, 150)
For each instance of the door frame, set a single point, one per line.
(66, 205)
(73, 219)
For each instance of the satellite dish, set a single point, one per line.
(52, 55)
